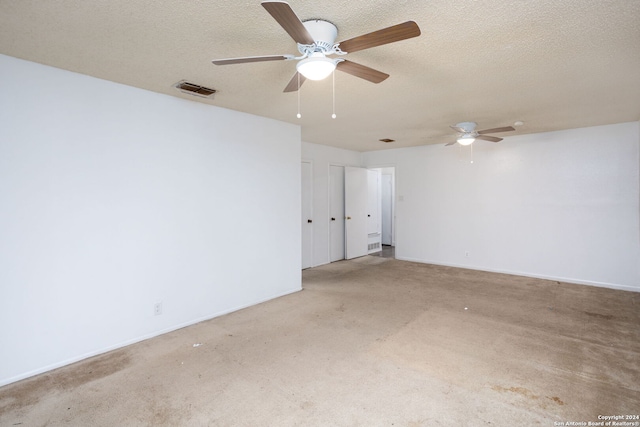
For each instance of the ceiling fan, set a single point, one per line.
(316, 42)
(467, 133)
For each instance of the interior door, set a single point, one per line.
(356, 188)
(307, 211)
(387, 209)
(336, 213)
(373, 202)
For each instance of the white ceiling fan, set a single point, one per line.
(467, 133)
(316, 39)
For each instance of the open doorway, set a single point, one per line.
(387, 214)
(361, 212)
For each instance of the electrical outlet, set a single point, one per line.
(157, 309)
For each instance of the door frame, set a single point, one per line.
(394, 223)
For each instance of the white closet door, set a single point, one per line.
(336, 213)
(387, 210)
(307, 212)
(356, 198)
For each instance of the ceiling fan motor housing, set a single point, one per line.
(323, 32)
(469, 127)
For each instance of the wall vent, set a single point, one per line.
(194, 89)
(373, 246)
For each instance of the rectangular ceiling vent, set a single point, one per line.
(194, 89)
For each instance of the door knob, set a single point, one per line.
(309, 221)
(333, 219)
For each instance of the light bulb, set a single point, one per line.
(298, 115)
(333, 116)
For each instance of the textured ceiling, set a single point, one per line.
(554, 64)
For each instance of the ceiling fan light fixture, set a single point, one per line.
(316, 67)
(466, 139)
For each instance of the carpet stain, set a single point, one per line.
(92, 369)
(518, 390)
(29, 392)
(557, 400)
(526, 393)
(599, 316)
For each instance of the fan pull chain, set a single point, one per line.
(333, 116)
(298, 115)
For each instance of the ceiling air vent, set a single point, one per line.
(194, 89)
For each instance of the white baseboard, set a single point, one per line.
(528, 274)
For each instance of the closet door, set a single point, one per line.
(356, 189)
(336, 213)
(307, 212)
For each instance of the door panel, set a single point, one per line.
(336, 213)
(374, 224)
(373, 202)
(387, 209)
(307, 211)
(355, 192)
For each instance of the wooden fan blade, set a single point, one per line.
(489, 138)
(251, 59)
(458, 129)
(403, 31)
(364, 72)
(293, 83)
(286, 17)
(496, 130)
(450, 143)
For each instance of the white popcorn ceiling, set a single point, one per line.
(554, 64)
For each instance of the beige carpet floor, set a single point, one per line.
(368, 342)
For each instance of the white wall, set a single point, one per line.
(321, 158)
(114, 198)
(561, 205)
